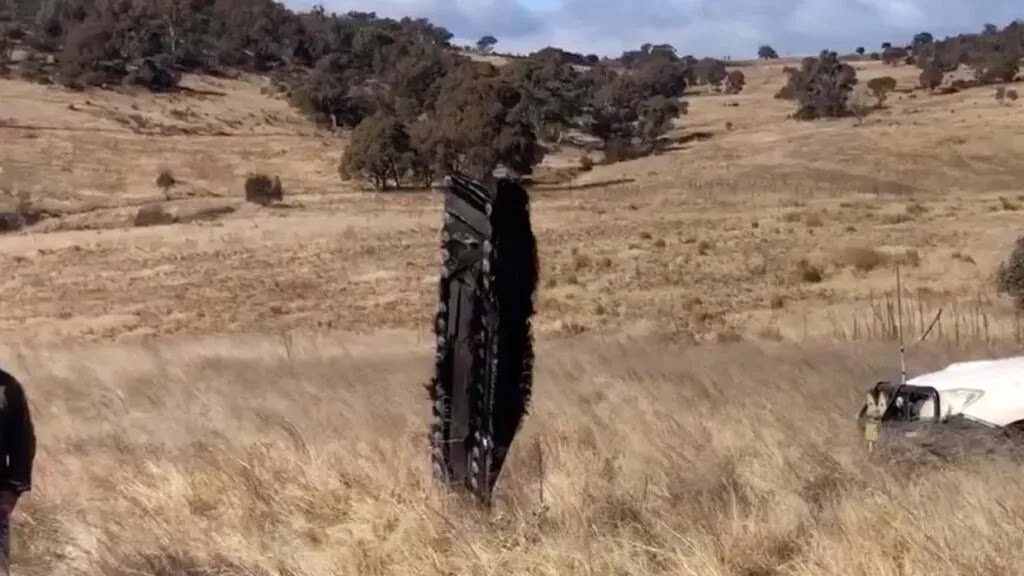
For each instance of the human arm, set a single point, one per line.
(19, 441)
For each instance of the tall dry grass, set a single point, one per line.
(953, 321)
(252, 457)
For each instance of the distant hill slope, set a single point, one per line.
(415, 106)
(747, 222)
(87, 153)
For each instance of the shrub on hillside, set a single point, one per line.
(553, 92)
(861, 258)
(894, 55)
(480, 121)
(1010, 275)
(997, 67)
(629, 118)
(710, 71)
(766, 52)
(153, 215)
(379, 151)
(735, 82)
(155, 74)
(629, 112)
(788, 90)
(165, 180)
(881, 87)
(11, 221)
(822, 86)
(667, 78)
(10, 30)
(931, 76)
(994, 54)
(262, 189)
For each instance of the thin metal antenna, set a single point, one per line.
(930, 326)
(540, 470)
(899, 320)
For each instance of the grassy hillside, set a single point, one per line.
(725, 235)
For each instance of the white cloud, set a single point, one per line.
(897, 13)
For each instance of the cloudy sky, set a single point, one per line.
(718, 28)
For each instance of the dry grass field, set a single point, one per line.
(718, 237)
(231, 456)
(238, 393)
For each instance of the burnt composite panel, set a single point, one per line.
(484, 359)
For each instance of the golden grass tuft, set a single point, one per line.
(862, 258)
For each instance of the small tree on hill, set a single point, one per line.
(735, 82)
(893, 55)
(822, 86)
(1010, 275)
(1003, 94)
(663, 77)
(480, 121)
(788, 90)
(656, 116)
(931, 76)
(881, 87)
(7, 17)
(8, 26)
(997, 66)
(629, 114)
(766, 52)
(262, 189)
(552, 90)
(860, 50)
(379, 151)
(710, 71)
(486, 43)
(165, 181)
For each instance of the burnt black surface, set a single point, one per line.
(484, 362)
(954, 440)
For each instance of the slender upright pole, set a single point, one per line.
(899, 320)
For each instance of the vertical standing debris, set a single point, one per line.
(484, 361)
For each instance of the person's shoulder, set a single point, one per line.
(7, 379)
(11, 390)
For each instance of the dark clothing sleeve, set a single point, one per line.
(19, 439)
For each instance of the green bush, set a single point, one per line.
(1010, 275)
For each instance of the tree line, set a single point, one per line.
(992, 55)
(417, 107)
(821, 86)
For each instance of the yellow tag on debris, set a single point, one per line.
(871, 432)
